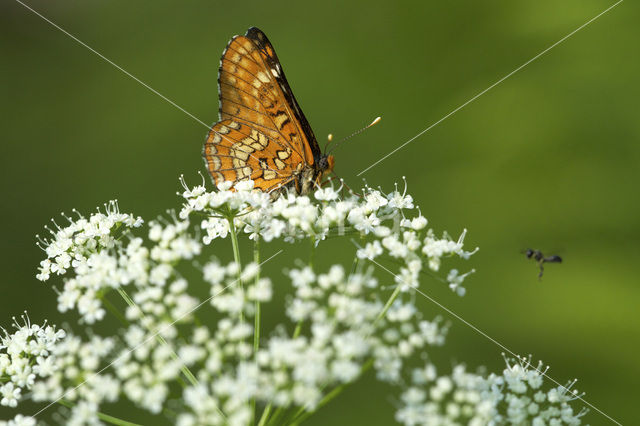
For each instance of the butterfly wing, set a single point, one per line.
(270, 58)
(256, 98)
(236, 151)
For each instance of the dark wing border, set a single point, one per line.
(265, 46)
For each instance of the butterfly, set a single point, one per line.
(262, 134)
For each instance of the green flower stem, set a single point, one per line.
(265, 415)
(387, 305)
(256, 325)
(114, 311)
(274, 420)
(298, 329)
(185, 370)
(301, 415)
(256, 331)
(236, 253)
(104, 417)
(236, 257)
(234, 242)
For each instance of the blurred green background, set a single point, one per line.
(548, 159)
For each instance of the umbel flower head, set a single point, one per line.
(341, 321)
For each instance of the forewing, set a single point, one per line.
(236, 151)
(254, 90)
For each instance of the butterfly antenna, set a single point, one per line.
(373, 123)
(329, 139)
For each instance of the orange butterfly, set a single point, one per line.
(262, 134)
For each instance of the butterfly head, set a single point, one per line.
(325, 164)
(310, 177)
(323, 167)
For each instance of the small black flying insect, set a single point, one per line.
(541, 259)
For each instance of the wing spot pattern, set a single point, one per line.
(263, 140)
(267, 173)
(215, 163)
(241, 151)
(283, 155)
(279, 163)
(243, 172)
(263, 77)
(280, 119)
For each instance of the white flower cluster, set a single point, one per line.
(517, 397)
(101, 261)
(19, 420)
(521, 388)
(76, 361)
(211, 361)
(24, 356)
(380, 219)
(47, 362)
(72, 245)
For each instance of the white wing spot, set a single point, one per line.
(283, 155)
(239, 163)
(280, 119)
(263, 77)
(279, 163)
(243, 172)
(263, 140)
